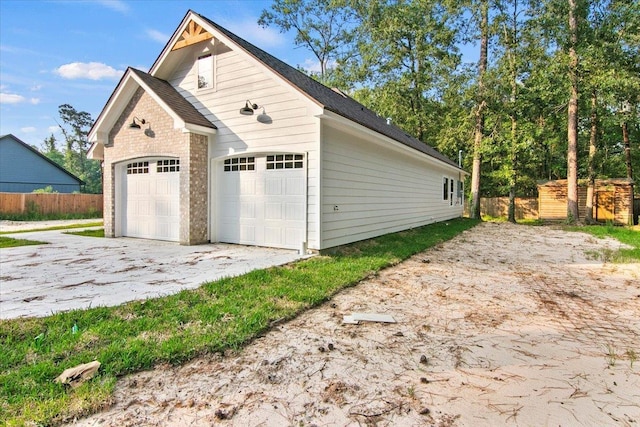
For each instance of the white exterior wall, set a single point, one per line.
(369, 189)
(237, 79)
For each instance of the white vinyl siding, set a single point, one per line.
(293, 128)
(370, 190)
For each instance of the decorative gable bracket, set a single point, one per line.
(193, 34)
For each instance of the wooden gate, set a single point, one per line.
(605, 205)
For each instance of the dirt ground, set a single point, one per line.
(503, 325)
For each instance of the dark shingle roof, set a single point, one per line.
(174, 100)
(331, 100)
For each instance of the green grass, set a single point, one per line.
(57, 227)
(88, 233)
(627, 235)
(34, 215)
(221, 315)
(8, 242)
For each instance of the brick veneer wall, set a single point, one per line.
(158, 138)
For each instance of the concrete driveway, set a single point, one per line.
(74, 272)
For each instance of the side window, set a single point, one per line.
(445, 188)
(453, 182)
(205, 72)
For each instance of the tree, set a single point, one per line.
(572, 116)
(50, 150)
(407, 57)
(325, 27)
(75, 128)
(479, 112)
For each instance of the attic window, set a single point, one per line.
(205, 71)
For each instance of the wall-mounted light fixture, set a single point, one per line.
(135, 125)
(248, 108)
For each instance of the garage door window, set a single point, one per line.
(240, 164)
(137, 167)
(285, 161)
(170, 165)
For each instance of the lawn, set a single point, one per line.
(627, 235)
(56, 227)
(218, 316)
(9, 242)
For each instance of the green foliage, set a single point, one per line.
(33, 214)
(73, 157)
(221, 315)
(46, 190)
(324, 27)
(627, 235)
(9, 242)
(89, 233)
(401, 59)
(56, 227)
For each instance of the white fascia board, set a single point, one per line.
(110, 113)
(172, 41)
(203, 130)
(339, 121)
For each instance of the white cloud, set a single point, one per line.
(11, 98)
(88, 70)
(28, 129)
(117, 5)
(34, 101)
(157, 36)
(254, 33)
(313, 65)
(53, 129)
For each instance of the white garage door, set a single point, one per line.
(262, 201)
(151, 199)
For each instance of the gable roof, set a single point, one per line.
(331, 100)
(171, 97)
(39, 154)
(177, 106)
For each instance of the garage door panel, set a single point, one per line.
(273, 186)
(151, 200)
(273, 211)
(271, 204)
(295, 186)
(294, 212)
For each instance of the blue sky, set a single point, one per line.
(74, 52)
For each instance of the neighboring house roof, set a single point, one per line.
(39, 154)
(331, 100)
(183, 108)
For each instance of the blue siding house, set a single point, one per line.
(23, 169)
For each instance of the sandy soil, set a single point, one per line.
(504, 325)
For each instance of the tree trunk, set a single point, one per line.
(627, 149)
(588, 219)
(513, 74)
(479, 128)
(572, 122)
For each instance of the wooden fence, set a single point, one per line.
(526, 207)
(45, 203)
